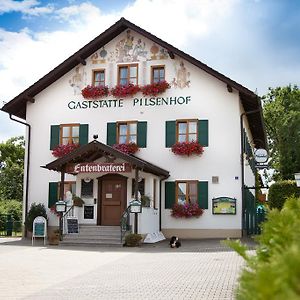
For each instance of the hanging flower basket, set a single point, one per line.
(123, 91)
(129, 148)
(62, 150)
(186, 210)
(187, 148)
(93, 92)
(154, 89)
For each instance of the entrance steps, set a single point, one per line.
(94, 235)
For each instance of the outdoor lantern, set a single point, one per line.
(135, 206)
(297, 178)
(60, 206)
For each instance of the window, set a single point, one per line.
(158, 73)
(98, 78)
(128, 74)
(127, 132)
(69, 190)
(186, 192)
(69, 134)
(187, 130)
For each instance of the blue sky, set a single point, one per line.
(254, 42)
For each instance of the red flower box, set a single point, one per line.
(186, 210)
(155, 88)
(93, 92)
(130, 148)
(62, 150)
(123, 91)
(187, 148)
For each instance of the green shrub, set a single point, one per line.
(132, 239)
(274, 272)
(11, 207)
(34, 211)
(280, 191)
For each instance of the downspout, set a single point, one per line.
(27, 165)
(242, 164)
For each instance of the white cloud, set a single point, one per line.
(27, 7)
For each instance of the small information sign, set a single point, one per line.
(224, 206)
(72, 225)
(39, 228)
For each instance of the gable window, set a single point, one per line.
(98, 78)
(69, 134)
(186, 192)
(127, 132)
(187, 130)
(157, 74)
(128, 74)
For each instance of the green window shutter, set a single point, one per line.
(142, 134)
(203, 132)
(170, 133)
(83, 134)
(53, 193)
(203, 194)
(111, 137)
(169, 194)
(54, 136)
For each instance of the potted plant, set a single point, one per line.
(93, 92)
(155, 88)
(77, 201)
(123, 91)
(187, 148)
(133, 240)
(145, 201)
(62, 150)
(129, 148)
(35, 210)
(187, 210)
(53, 238)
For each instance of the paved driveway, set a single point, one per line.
(197, 270)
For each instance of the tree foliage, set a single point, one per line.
(282, 119)
(12, 168)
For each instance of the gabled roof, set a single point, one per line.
(95, 150)
(250, 100)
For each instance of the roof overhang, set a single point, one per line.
(95, 150)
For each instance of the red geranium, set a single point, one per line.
(62, 150)
(187, 148)
(129, 148)
(123, 91)
(92, 92)
(186, 210)
(156, 88)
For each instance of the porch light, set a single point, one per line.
(135, 206)
(60, 206)
(297, 178)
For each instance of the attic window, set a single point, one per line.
(99, 78)
(128, 74)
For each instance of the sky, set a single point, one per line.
(254, 42)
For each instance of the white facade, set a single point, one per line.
(199, 95)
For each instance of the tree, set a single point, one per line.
(12, 168)
(282, 118)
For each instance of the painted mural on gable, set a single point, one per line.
(182, 76)
(130, 49)
(78, 80)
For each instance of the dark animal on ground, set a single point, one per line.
(174, 242)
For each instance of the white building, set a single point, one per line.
(201, 105)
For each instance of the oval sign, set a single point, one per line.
(261, 155)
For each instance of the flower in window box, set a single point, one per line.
(93, 92)
(187, 148)
(187, 210)
(129, 148)
(123, 91)
(62, 150)
(156, 88)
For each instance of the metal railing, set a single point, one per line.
(9, 226)
(68, 213)
(125, 222)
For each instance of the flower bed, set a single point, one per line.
(186, 210)
(62, 150)
(187, 148)
(123, 91)
(129, 148)
(93, 92)
(155, 88)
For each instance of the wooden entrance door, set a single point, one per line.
(113, 192)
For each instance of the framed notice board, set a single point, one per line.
(224, 206)
(72, 225)
(39, 228)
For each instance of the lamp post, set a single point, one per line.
(297, 178)
(60, 207)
